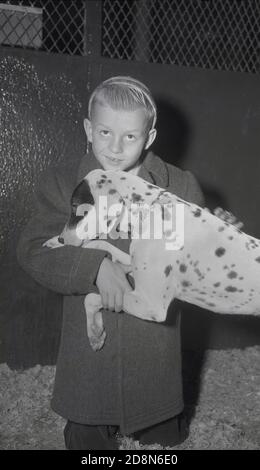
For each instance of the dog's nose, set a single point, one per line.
(61, 240)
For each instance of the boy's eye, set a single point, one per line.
(104, 132)
(130, 137)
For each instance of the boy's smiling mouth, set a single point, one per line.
(114, 159)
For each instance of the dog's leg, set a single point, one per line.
(93, 302)
(53, 243)
(95, 327)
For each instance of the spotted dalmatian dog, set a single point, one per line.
(215, 266)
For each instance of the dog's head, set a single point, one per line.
(96, 208)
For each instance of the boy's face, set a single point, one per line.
(118, 136)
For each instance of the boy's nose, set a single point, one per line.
(116, 145)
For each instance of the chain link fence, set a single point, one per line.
(48, 25)
(211, 34)
(219, 34)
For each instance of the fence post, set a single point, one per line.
(142, 31)
(93, 29)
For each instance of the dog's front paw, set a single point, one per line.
(97, 342)
(53, 243)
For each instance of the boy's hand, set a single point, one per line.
(222, 214)
(228, 217)
(112, 284)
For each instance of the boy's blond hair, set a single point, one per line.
(126, 93)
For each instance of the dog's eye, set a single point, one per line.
(61, 240)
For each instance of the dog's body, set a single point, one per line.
(215, 266)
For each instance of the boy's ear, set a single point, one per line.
(151, 136)
(88, 129)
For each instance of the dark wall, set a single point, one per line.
(42, 103)
(208, 122)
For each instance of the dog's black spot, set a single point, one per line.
(231, 289)
(198, 272)
(183, 268)
(167, 270)
(220, 251)
(217, 284)
(258, 259)
(101, 182)
(232, 274)
(197, 213)
(136, 197)
(112, 191)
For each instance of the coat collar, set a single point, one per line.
(153, 169)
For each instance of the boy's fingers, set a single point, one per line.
(127, 287)
(111, 301)
(218, 212)
(228, 217)
(118, 302)
(126, 268)
(104, 297)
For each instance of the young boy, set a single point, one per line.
(134, 383)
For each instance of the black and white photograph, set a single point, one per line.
(130, 227)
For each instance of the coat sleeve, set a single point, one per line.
(67, 270)
(193, 191)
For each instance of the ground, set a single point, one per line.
(222, 393)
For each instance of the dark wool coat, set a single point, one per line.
(135, 380)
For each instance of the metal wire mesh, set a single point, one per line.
(49, 25)
(212, 34)
(219, 34)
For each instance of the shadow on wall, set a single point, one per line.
(173, 142)
(174, 133)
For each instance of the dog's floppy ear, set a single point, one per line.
(81, 195)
